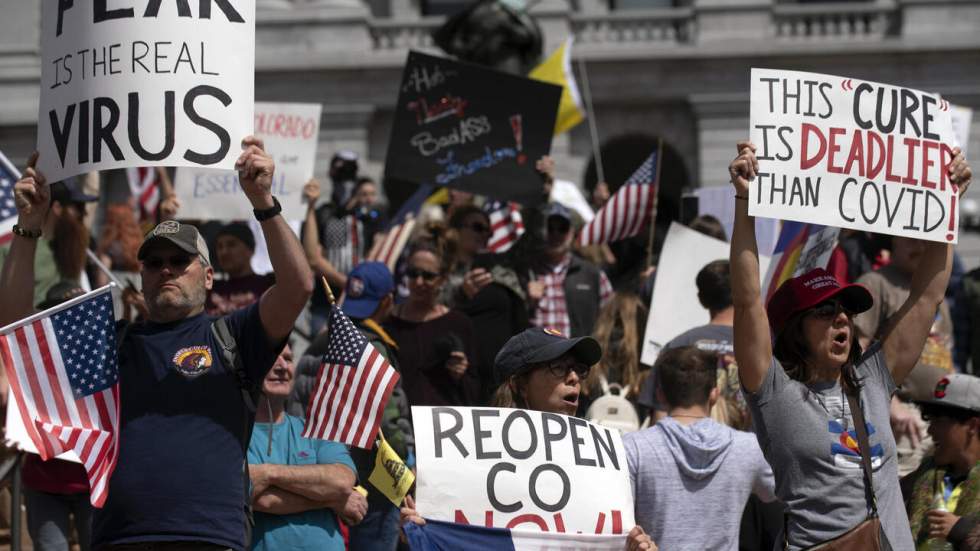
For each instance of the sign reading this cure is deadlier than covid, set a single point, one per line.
(144, 83)
(521, 469)
(854, 154)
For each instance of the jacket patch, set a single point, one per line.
(192, 361)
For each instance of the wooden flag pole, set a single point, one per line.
(593, 129)
(326, 287)
(656, 193)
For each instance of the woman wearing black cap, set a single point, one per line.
(798, 383)
(542, 370)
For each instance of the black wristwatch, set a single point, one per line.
(265, 214)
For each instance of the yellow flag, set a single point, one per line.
(440, 197)
(557, 69)
(390, 475)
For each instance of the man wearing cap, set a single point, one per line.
(952, 474)
(234, 247)
(368, 300)
(179, 482)
(64, 238)
(568, 291)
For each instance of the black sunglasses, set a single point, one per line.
(177, 262)
(562, 367)
(413, 273)
(829, 310)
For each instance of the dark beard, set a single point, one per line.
(68, 246)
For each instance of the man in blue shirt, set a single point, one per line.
(297, 483)
(179, 478)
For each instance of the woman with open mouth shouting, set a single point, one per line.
(819, 402)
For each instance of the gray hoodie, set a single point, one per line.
(691, 483)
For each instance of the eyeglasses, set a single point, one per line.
(561, 367)
(414, 273)
(829, 310)
(177, 263)
(479, 227)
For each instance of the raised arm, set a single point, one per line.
(311, 239)
(282, 303)
(907, 330)
(32, 197)
(753, 347)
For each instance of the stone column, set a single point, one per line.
(722, 120)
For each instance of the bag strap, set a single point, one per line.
(864, 445)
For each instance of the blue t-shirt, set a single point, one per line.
(179, 476)
(314, 529)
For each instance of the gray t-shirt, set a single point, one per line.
(807, 435)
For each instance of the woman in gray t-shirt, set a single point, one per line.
(794, 358)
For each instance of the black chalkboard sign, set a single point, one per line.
(471, 128)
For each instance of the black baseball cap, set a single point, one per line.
(185, 236)
(537, 345)
(69, 191)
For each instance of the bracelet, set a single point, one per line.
(741, 197)
(23, 232)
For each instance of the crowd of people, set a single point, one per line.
(843, 407)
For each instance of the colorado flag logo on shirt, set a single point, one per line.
(845, 450)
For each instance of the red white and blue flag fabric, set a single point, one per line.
(146, 191)
(388, 246)
(506, 225)
(628, 210)
(8, 209)
(63, 374)
(800, 248)
(437, 535)
(352, 388)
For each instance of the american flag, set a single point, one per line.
(352, 388)
(8, 210)
(63, 375)
(389, 245)
(627, 210)
(146, 191)
(506, 225)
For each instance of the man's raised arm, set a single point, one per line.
(33, 199)
(282, 303)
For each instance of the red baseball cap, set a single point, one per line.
(810, 289)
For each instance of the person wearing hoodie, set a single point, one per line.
(542, 370)
(688, 467)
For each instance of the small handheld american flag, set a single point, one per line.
(352, 388)
(506, 225)
(625, 214)
(64, 377)
(8, 210)
(145, 188)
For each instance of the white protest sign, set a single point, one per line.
(674, 307)
(290, 132)
(962, 119)
(568, 194)
(144, 83)
(852, 154)
(521, 469)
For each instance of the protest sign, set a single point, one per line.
(521, 469)
(290, 132)
(962, 119)
(468, 127)
(852, 154)
(144, 84)
(569, 194)
(674, 306)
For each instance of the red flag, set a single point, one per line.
(64, 378)
(625, 214)
(352, 388)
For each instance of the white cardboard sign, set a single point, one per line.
(144, 83)
(853, 154)
(962, 119)
(290, 132)
(521, 469)
(674, 307)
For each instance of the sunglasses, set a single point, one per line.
(561, 368)
(177, 262)
(426, 275)
(829, 310)
(479, 227)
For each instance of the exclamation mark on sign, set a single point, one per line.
(517, 126)
(952, 213)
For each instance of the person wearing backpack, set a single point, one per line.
(180, 478)
(689, 468)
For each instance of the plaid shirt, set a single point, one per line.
(552, 310)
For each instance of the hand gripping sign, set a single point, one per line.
(144, 83)
(521, 469)
(853, 154)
